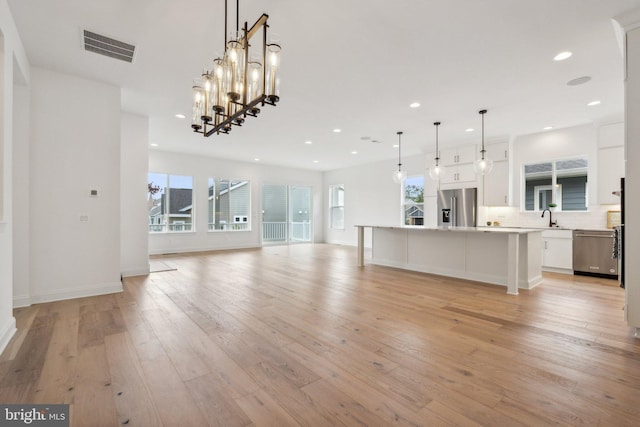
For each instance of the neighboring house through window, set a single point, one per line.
(229, 205)
(413, 203)
(563, 182)
(170, 202)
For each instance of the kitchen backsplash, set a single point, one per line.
(595, 218)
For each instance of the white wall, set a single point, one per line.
(75, 148)
(12, 57)
(134, 160)
(202, 168)
(371, 196)
(21, 188)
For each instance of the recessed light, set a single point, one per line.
(547, 128)
(395, 146)
(256, 159)
(336, 130)
(354, 152)
(469, 129)
(562, 56)
(308, 142)
(153, 145)
(592, 103)
(414, 105)
(316, 161)
(578, 81)
(181, 116)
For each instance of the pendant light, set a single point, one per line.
(399, 175)
(484, 164)
(437, 171)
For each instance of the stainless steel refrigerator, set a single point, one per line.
(457, 208)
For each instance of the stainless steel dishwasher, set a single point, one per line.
(592, 253)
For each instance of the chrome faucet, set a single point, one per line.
(551, 222)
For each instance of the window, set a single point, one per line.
(229, 205)
(413, 204)
(286, 214)
(170, 202)
(336, 206)
(561, 182)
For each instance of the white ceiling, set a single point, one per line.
(353, 65)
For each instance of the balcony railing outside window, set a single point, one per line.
(277, 231)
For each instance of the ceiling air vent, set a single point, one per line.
(108, 47)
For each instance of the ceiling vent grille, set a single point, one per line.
(108, 47)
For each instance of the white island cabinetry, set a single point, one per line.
(507, 257)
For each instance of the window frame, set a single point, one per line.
(334, 206)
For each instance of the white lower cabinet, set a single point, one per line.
(557, 251)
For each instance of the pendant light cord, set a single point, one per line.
(399, 152)
(225, 25)
(436, 124)
(482, 113)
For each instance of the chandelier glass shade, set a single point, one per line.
(484, 164)
(399, 175)
(437, 171)
(244, 79)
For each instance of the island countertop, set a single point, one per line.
(506, 256)
(516, 230)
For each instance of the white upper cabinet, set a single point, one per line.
(498, 152)
(611, 165)
(458, 155)
(496, 183)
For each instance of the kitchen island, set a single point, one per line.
(510, 257)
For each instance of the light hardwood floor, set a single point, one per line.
(299, 335)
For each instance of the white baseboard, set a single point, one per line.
(166, 251)
(6, 332)
(64, 294)
(558, 270)
(136, 272)
(21, 301)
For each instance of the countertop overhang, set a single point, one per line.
(507, 230)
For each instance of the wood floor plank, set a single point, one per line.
(262, 410)
(59, 373)
(132, 397)
(218, 407)
(93, 403)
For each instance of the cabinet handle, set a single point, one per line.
(505, 200)
(546, 244)
(505, 154)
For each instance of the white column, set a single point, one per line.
(360, 245)
(513, 263)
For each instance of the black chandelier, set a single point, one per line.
(241, 81)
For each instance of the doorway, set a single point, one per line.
(286, 214)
